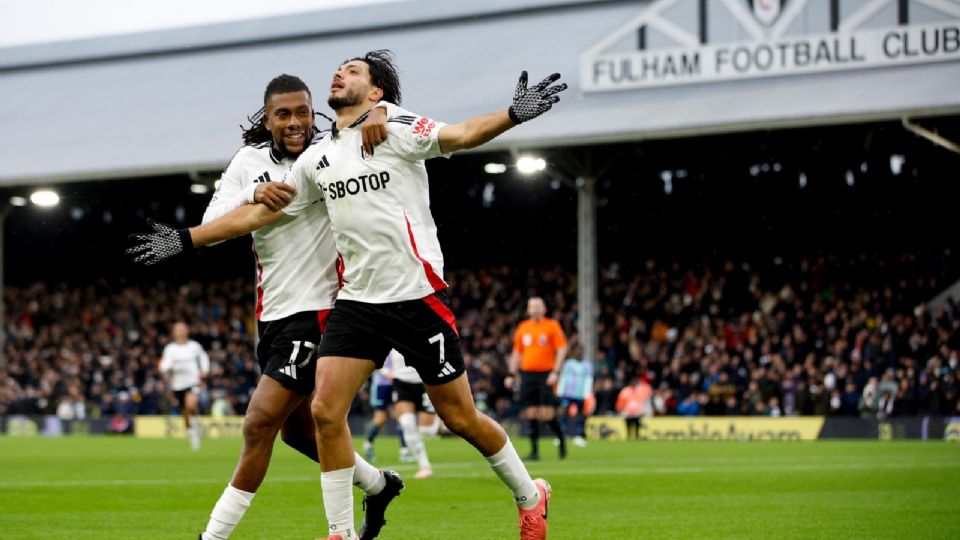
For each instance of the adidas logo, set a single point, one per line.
(447, 369)
(323, 163)
(265, 177)
(289, 370)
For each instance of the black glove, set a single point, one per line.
(529, 103)
(151, 248)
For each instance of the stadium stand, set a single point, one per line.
(810, 336)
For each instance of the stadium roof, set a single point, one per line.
(171, 101)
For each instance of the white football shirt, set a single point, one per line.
(379, 207)
(296, 257)
(184, 362)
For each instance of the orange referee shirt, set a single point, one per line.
(537, 343)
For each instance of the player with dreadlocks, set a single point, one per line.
(295, 293)
(393, 294)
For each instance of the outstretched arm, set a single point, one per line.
(166, 242)
(528, 103)
(474, 132)
(239, 222)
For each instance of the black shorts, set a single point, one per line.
(414, 393)
(534, 390)
(287, 352)
(181, 396)
(423, 331)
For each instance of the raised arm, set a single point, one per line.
(528, 103)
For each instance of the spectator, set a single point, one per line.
(797, 330)
(633, 402)
(869, 406)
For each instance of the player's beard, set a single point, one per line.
(351, 99)
(284, 151)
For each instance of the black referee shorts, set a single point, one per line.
(287, 352)
(423, 331)
(181, 397)
(534, 390)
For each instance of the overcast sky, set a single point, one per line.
(34, 21)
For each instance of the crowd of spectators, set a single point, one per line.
(95, 350)
(825, 336)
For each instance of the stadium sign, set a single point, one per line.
(669, 41)
(725, 428)
(171, 427)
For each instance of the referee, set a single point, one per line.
(539, 348)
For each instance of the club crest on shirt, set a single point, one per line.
(364, 154)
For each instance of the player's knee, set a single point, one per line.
(323, 412)
(462, 424)
(257, 425)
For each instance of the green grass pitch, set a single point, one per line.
(125, 488)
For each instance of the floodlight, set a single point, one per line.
(896, 164)
(530, 164)
(45, 198)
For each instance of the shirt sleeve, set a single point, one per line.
(413, 136)
(166, 363)
(300, 176)
(230, 194)
(559, 340)
(204, 359)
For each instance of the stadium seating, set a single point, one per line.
(799, 337)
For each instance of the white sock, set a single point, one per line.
(508, 466)
(227, 513)
(367, 477)
(432, 429)
(193, 433)
(338, 501)
(411, 434)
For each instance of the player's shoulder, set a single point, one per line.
(252, 154)
(319, 137)
(315, 148)
(398, 116)
(256, 149)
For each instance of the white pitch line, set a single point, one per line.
(441, 471)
